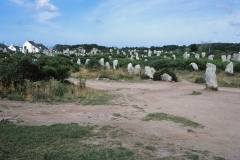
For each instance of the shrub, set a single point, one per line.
(157, 76)
(93, 64)
(237, 68)
(169, 71)
(199, 80)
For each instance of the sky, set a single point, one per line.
(120, 23)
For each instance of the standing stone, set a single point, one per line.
(130, 68)
(210, 57)
(79, 61)
(149, 71)
(158, 53)
(229, 68)
(211, 79)
(185, 55)
(229, 58)
(174, 57)
(210, 65)
(110, 57)
(137, 70)
(194, 66)
(237, 57)
(166, 77)
(149, 53)
(107, 65)
(224, 58)
(87, 60)
(197, 56)
(101, 61)
(115, 64)
(203, 54)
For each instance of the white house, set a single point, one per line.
(31, 47)
(14, 49)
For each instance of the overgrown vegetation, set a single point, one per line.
(169, 71)
(175, 119)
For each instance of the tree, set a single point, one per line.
(193, 48)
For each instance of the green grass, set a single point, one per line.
(117, 115)
(58, 141)
(194, 93)
(175, 119)
(100, 98)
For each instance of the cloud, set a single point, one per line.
(225, 7)
(234, 23)
(45, 5)
(46, 16)
(22, 3)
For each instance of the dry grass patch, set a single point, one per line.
(224, 79)
(119, 74)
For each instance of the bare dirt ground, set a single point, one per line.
(218, 112)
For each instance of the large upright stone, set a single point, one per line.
(137, 70)
(210, 65)
(149, 53)
(185, 55)
(237, 57)
(79, 61)
(107, 65)
(149, 71)
(166, 77)
(130, 68)
(101, 61)
(174, 57)
(197, 56)
(210, 57)
(86, 62)
(229, 58)
(115, 64)
(211, 79)
(229, 68)
(194, 66)
(203, 54)
(224, 58)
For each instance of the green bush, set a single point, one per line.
(237, 68)
(93, 64)
(169, 71)
(199, 80)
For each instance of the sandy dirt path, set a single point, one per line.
(218, 112)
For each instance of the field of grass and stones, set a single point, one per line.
(44, 78)
(41, 77)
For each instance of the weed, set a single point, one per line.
(150, 148)
(199, 80)
(218, 158)
(175, 119)
(139, 108)
(138, 144)
(192, 156)
(190, 131)
(195, 93)
(117, 115)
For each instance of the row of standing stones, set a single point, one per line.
(210, 74)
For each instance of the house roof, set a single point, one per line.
(42, 46)
(17, 47)
(32, 43)
(3, 46)
(38, 45)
